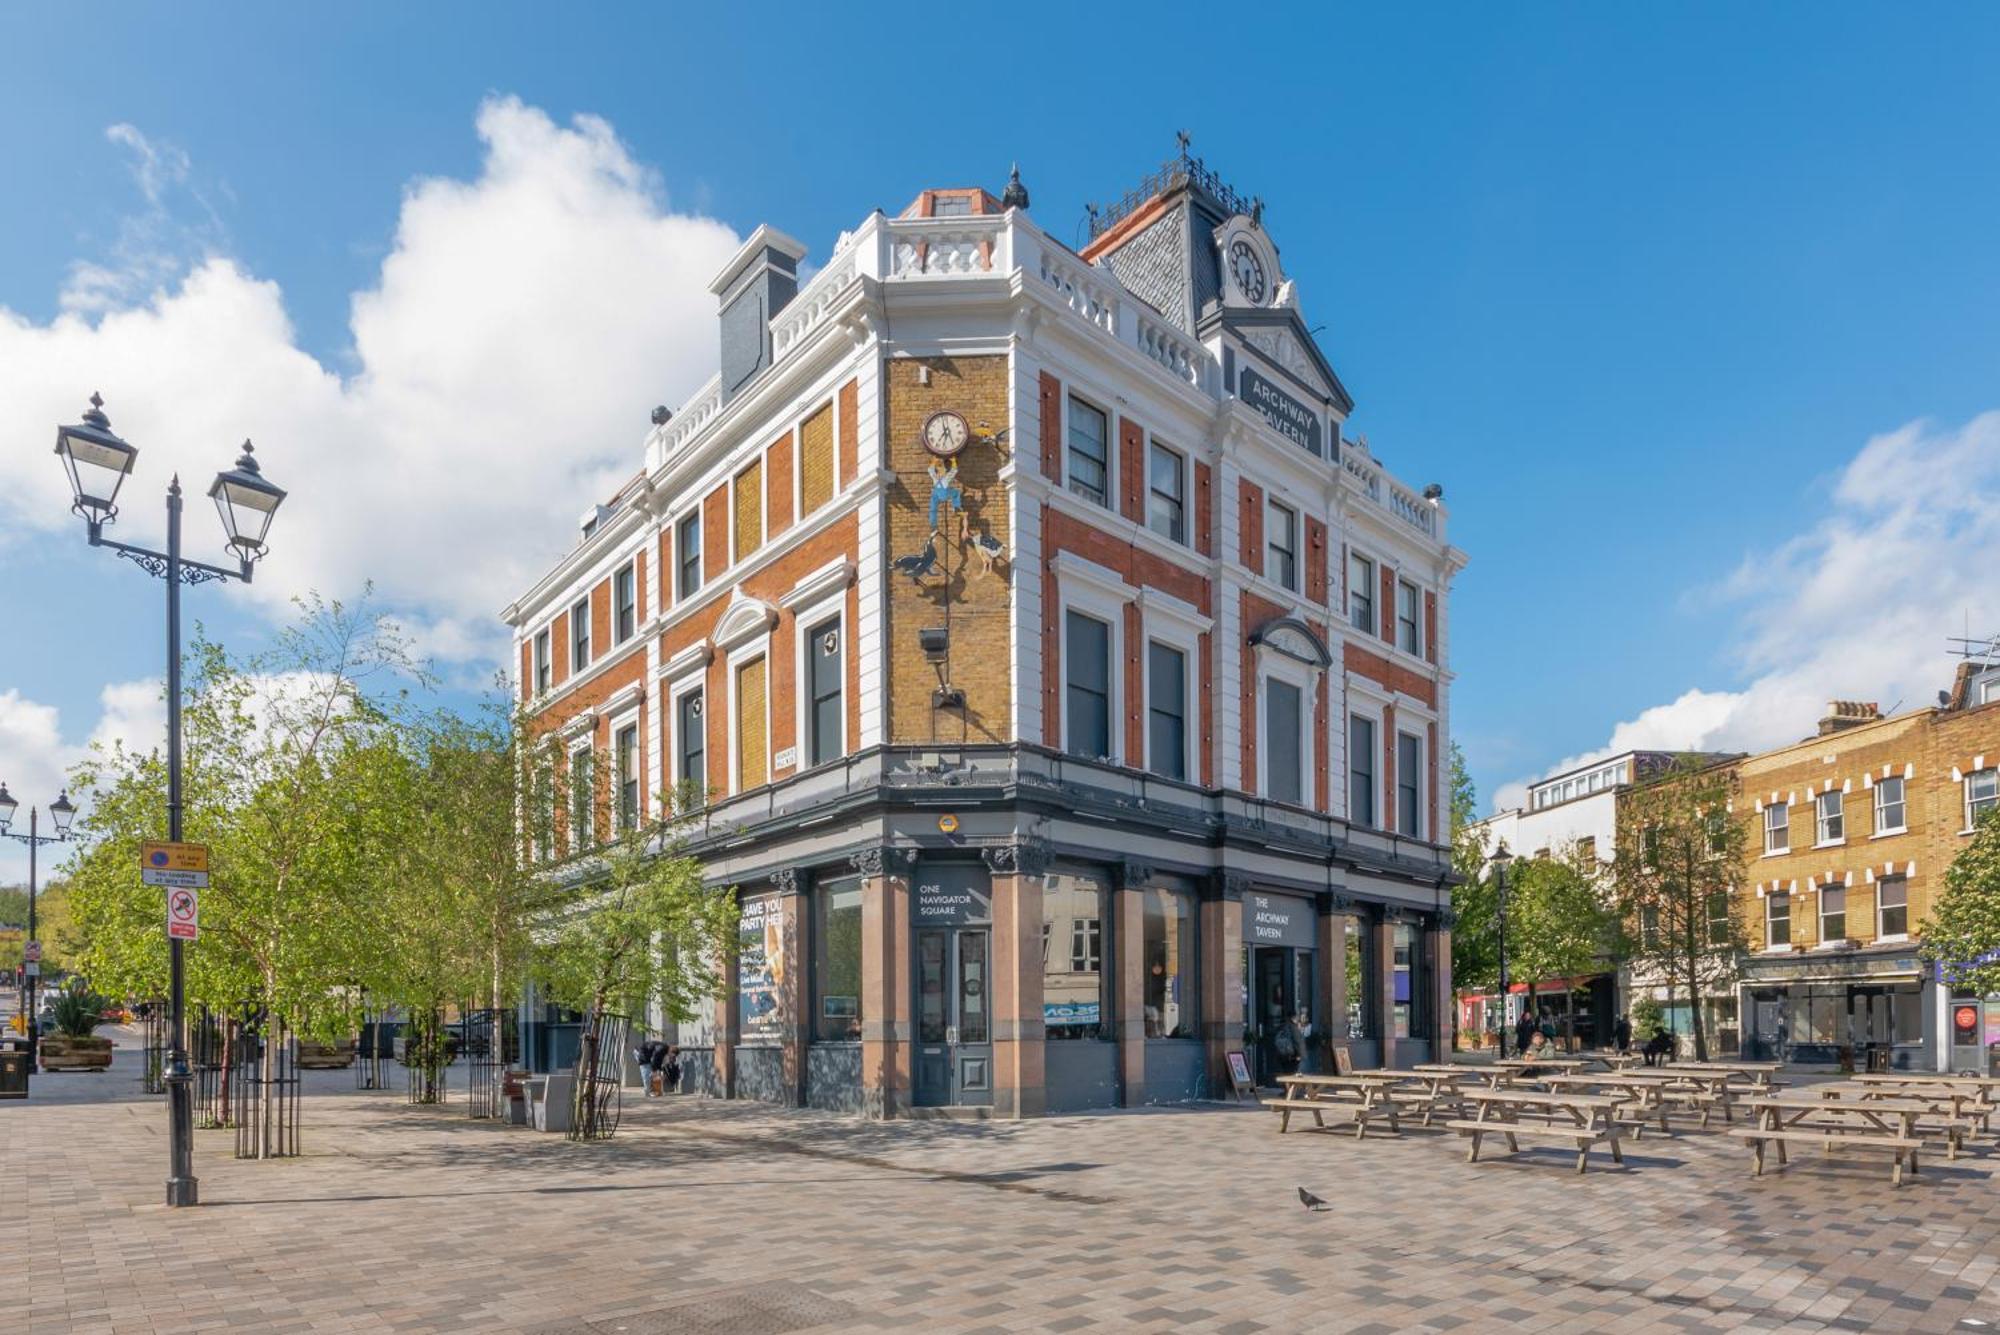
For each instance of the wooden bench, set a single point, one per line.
(1582, 1120)
(1828, 1135)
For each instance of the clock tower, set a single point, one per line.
(1194, 250)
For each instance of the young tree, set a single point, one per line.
(634, 926)
(1963, 930)
(1561, 921)
(1680, 856)
(1475, 954)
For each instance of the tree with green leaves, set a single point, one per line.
(1962, 932)
(1561, 919)
(632, 927)
(1680, 857)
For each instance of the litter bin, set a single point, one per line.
(14, 1073)
(1878, 1058)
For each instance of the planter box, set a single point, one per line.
(326, 1056)
(75, 1054)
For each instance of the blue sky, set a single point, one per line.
(1639, 285)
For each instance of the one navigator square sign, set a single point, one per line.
(1293, 420)
(951, 894)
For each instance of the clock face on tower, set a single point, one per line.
(1247, 268)
(945, 433)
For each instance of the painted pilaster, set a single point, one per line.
(1129, 935)
(1385, 988)
(1228, 628)
(885, 981)
(1019, 1082)
(1442, 1000)
(871, 558)
(1222, 961)
(1332, 999)
(794, 1000)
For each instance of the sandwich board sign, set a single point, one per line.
(183, 915)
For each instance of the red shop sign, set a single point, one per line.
(1966, 1017)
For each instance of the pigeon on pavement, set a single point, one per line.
(1310, 1201)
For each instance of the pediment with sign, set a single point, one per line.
(1276, 341)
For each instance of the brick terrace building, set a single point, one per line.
(1068, 695)
(1850, 834)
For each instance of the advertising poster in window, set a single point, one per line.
(760, 966)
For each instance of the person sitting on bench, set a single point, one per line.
(1660, 1047)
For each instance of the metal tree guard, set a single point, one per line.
(267, 1092)
(492, 1042)
(599, 1077)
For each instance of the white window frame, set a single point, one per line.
(700, 561)
(805, 618)
(692, 682)
(542, 662)
(1784, 826)
(1904, 935)
(1374, 628)
(1819, 913)
(1272, 507)
(1178, 625)
(589, 649)
(627, 718)
(1902, 803)
(1423, 788)
(1272, 665)
(1099, 592)
(1770, 901)
(631, 568)
(1180, 458)
(585, 745)
(1821, 839)
(1110, 501)
(1368, 705)
(1989, 773)
(1416, 648)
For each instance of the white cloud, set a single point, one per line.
(1855, 607)
(502, 370)
(505, 361)
(37, 753)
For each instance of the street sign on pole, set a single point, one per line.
(32, 952)
(174, 866)
(183, 914)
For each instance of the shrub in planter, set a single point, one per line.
(74, 1045)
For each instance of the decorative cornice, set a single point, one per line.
(1026, 857)
(881, 861)
(824, 582)
(1235, 885)
(785, 880)
(1133, 874)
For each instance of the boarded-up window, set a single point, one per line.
(816, 461)
(753, 756)
(749, 510)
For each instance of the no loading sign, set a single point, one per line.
(183, 915)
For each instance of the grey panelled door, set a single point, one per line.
(954, 1021)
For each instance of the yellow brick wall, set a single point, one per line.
(749, 511)
(753, 751)
(1922, 744)
(816, 460)
(981, 653)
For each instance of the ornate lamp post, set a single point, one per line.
(1499, 862)
(98, 463)
(61, 813)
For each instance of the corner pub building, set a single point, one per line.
(1068, 695)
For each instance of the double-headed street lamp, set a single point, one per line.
(61, 813)
(98, 462)
(1499, 862)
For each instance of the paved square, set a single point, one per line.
(707, 1217)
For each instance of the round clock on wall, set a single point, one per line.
(945, 433)
(1246, 266)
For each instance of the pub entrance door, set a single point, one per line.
(1271, 1004)
(954, 1018)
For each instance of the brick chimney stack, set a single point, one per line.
(1844, 714)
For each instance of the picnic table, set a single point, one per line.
(1435, 1085)
(1854, 1123)
(1360, 1098)
(1510, 1069)
(1620, 1061)
(1951, 1110)
(1757, 1073)
(1581, 1119)
(1981, 1090)
(1642, 1095)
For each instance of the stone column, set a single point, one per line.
(794, 990)
(1385, 985)
(728, 1029)
(1019, 1085)
(1128, 943)
(1222, 975)
(1442, 1012)
(1332, 999)
(885, 981)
